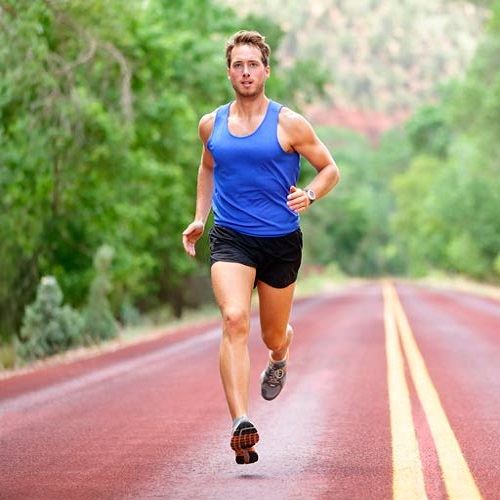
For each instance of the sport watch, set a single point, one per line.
(311, 195)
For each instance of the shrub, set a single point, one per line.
(48, 326)
(99, 321)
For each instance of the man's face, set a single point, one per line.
(247, 72)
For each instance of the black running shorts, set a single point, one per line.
(276, 259)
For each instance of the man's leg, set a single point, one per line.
(275, 307)
(233, 285)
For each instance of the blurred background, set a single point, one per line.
(99, 106)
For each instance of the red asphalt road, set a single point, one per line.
(150, 421)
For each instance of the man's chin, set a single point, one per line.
(248, 92)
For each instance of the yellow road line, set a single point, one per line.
(457, 477)
(408, 478)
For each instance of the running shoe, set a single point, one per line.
(273, 379)
(243, 440)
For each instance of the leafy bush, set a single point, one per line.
(7, 357)
(48, 326)
(99, 321)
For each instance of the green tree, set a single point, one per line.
(110, 93)
(417, 232)
(351, 226)
(429, 132)
(98, 143)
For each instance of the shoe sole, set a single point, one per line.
(243, 440)
(246, 456)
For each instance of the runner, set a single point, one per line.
(248, 175)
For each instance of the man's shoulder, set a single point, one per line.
(208, 118)
(206, 125)
(290, 118)
(293, 128)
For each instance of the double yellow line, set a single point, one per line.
(408, 476)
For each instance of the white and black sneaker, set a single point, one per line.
(273, 379)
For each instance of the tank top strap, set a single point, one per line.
(274, 107)
(222, 113)
(269, 126)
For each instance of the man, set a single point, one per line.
(248, 174)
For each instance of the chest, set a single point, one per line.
(244, 127)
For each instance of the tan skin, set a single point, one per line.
(232, 282)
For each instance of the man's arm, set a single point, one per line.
(204, 189)
(297, 134)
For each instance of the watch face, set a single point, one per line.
(311, 194)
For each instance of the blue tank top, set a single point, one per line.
(252, 177)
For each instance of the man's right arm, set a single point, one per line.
(204, 190)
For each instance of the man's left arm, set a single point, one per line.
(302, 138)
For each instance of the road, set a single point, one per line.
(393, 392)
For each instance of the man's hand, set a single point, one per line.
(191, 235)
(298, 201)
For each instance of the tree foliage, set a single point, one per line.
(99, 102)
(99, 106)
(428, 197)
(447, 201)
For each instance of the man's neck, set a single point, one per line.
(247, 107)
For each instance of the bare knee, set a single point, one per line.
(236, 323)
(277, 339)
(273, 339)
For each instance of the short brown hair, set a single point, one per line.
(245, 37)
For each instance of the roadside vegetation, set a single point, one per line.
(99, 104)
